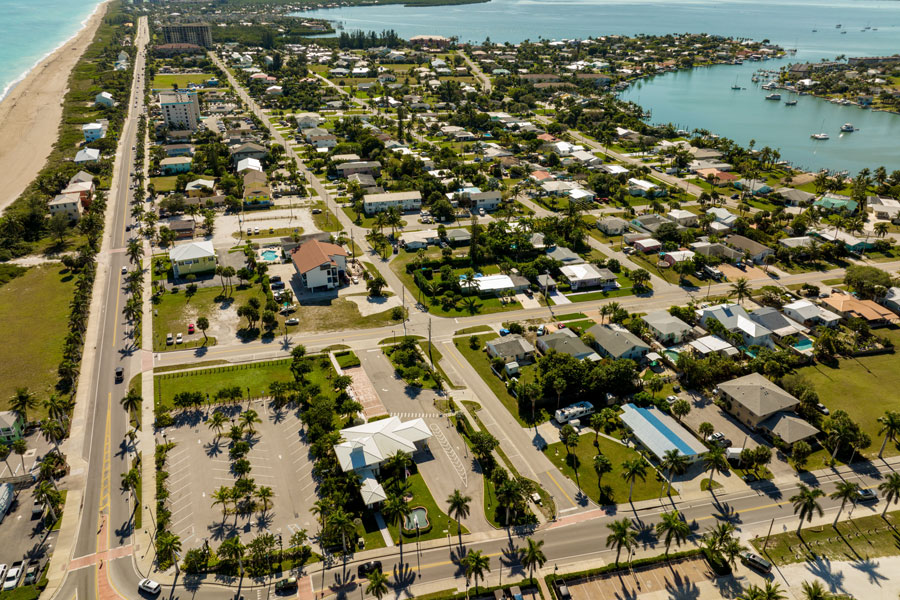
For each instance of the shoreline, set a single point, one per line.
(31, 109)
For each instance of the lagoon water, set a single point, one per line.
(32, 29)
(702, 98)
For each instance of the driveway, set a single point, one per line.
(527, 302)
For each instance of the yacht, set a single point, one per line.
(848, 128)
(790, 103)
(773, 97)
(819, 136)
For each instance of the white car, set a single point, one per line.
(149, 586)
(12, 578)
(178, 338)
(2, 570)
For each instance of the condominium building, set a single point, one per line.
(181, 109)
(188, 33)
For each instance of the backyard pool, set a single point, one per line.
(804, 344)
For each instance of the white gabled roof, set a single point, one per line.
(192, 251)
(372, 443)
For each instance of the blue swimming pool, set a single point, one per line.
(804, 344)
(670, 435)
(269, 255)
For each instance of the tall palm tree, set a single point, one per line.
(377, 584)
(217, 422)
(264, 495)
(632, 470)
(602, 466)
(844, 491)
(476, 563)
(21, 402)
(715, 460)
(458, 507)
(168, 545)
(509, 494)
(673, 463)
(222, 496)
(53, 432)
(890, 488)
(231, 549)
(248, 418)
(672, 528)
(890, 428)
(130, 480)
(132, 401)
(341, 522)
(806, 503)
(20, 447)
(395, 511)
(741, 289)
(622, 536)
(814, 590)
(45, 494)
(134, 250)
(57, 408)
(533, 556)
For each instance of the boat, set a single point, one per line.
(819, 136)
(848, 128)
(790, 103)
(844, 32)
(773, 97)
(838, 26)
(736, 87)
(815, 30)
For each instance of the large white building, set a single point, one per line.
(403, 201)
(180, 109)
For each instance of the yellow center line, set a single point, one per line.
(118, 297)
(552, 478)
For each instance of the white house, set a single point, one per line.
(403, 201)
(249, 164)
(93, 131)
(735, 319)
(587, 275)
(319, 265)
(665, 328)
(722, 216)
(682, 217)
(640, 187)
(804, 311)
(87, 155)
(67, 204)
(367, 446)
(104, 99)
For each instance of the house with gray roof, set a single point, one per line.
(788, 427)
(612, 225)
(795, 197)
(565, 341)
(756, 251)
(459, 237)
(665, 328)
(513, 348)
(564, 255)
(780, 325)
(614, 341)
(752, 399)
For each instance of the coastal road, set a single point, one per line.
(104, 525)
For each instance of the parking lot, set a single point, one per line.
(198, 466)
(37, 448)
(675, 580)
(22, 534)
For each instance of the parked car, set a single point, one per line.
(504, 331)
(562, 591)
(317, 211)
(822, 409)
(756, 562)
(149, 586)
(256, 231)
(671, 399)
(31, 574)
(275, 278)
(169, 339)
(120, 374)
(278, 285)
(368, 567)
(190, 328)
(292, 321)
(866, 495)
(541, 331)
(2, 570)
(179, 338)
(12, 576)
(283, 585)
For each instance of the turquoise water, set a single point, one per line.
(804, 344)
(702, 98)
(32, 29)
(269, 255)
(417, 513)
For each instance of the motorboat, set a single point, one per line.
(848, 128)
(790, 103)
(819, 136)
(773, 97)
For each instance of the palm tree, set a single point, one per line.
(890, 488)
(341, 522)
(806, 503)
(53, 432)
(231, 549)
(134, 250)
(378, 584)
(509, 494)
(672, 528)
(168, 545)
(674, 463)
(203, 325)
(264, 495)
(57, 408)
(741, 289)
(715, 461)
(622, 535)
(845, 491)
(222, 496)
(476, 564)
(602, 466)
(814, 590)
(130, 480)
(458, 507)
(396, 510)
(131, 402)
(217, 421)
(21, 402)
(890, 428)
(20, 447)
(533, 556)
(632, 470)
(881, 229)
(4, 456)
(248, 418)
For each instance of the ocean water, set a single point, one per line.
(702, 98)
(32, 29)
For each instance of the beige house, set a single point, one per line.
(752, 399)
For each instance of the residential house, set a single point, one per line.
(104, 99)
(803, 241)
(891, 299)
(319, 265)
(499, 284)
(416, 239)
(81, 185)
(193, 258)
(849, 241)
(86, 155)
(565, 341)
(836, 203)
(309, 121)
(640, 187)
(755, 187)
(365, 447)
(795, 197)
(183, 228)
(178, 150)
(93, 131)
(753, 250)
(735, 319)
(677, 256)
(586, 275)
(713, 344)
(403, 201)
(760, 404)
(684, 218)
(67, 204)
(256, 188)
(647, 245)
(780, 325)
(614, 341)
(546, 283)
(717, 250)
(459, 237)
(722, 216)
(665, 328)
(810, 314)
(11, 427)
(365, 167)
(200, 188)
(886, 209)
(248, 150)
(849, 307)
(512, 348)
(612, 225)
(564, 255)
(651, 222)
(175, 165)
(249, 164)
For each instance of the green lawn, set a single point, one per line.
(34, 311)
(583, 456)
(326, 220)
(366, 221)
(256, 376)
(856, 539)
(624, 289)
(268, 233)
(164, 184)
(858, 386)
(439, 521)
(165, 81)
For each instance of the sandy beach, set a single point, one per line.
(31, 113)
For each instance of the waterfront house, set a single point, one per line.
(86, 155)
(193, 258)
(795, 197)
(753, 186)
(104, 99)
(93, 131)
(836, 203)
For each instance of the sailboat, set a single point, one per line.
(822, 135)
(736, 86)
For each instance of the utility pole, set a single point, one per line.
(768, 534)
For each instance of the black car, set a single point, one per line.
(275, 278)
(120, 374)
(368, 567)
(754, 561)
(278, 285)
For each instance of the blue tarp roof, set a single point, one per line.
(660, 432)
